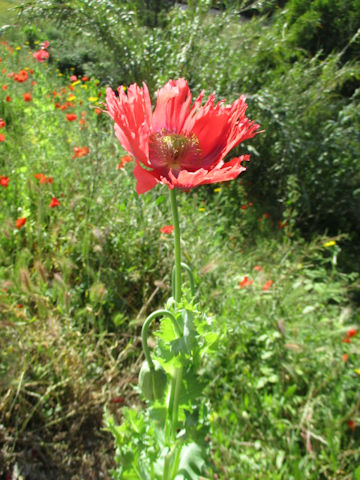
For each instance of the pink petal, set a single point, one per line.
(145, 180)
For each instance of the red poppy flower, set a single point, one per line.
(243, 207)
(21, 77)
(4, 181)
(41, 55)
(345, 357)
(346, 340)
(120, 400)
(71, 116)
(54, 202)
(27, 97)
(73, 78)
(20, 222)
(2, 137)
(97, 111)
(8, 99)
(179, 145)
(4, 87)
(85, 78)
(167, 229)
(351, 424)
(245, 282)
(80, 152)
(267, 285)
(351, 333)
(123, 161)
(258, 268)
(44, 179)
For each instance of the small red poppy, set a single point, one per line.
(2, 137)
(123, 161)
(351, 424)
(41, 55)
(20, 222)
(120, 400)
(258, 268)
(4, 87)
(73, 78)
(267, 285)
(54, 202)
(351, 333)
(8, 99)
(71, 116)
(245, 282)
(4, 181)
(2, 123)
(80, 152)
(345, 357)
(21, 77)
(85, 78)
(167, 229)
(27, 97)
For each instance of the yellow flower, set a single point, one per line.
(71, 98)
(18, 48)
(69, 140)
(60, 74)
(357, 370)
(36, 42)
(201, 209)
(85, 87)
(330, 243)
(76, 83)
(218, 189)
(93, 99)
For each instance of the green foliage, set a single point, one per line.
(153, 443)
(325, 25)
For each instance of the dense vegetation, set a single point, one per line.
(275, 252)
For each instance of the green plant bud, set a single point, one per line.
(152, 382)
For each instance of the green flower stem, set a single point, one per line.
(145, 328)
(175, 215)
(175, 405)
(176, 383)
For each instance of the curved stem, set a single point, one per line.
(145, 328)
(191, 278)
(175, 215)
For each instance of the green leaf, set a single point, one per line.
(191, 462)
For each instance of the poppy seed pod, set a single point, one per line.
(152, 382)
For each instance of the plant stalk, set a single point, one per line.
(175, 215)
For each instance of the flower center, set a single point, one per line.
(172, 151)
